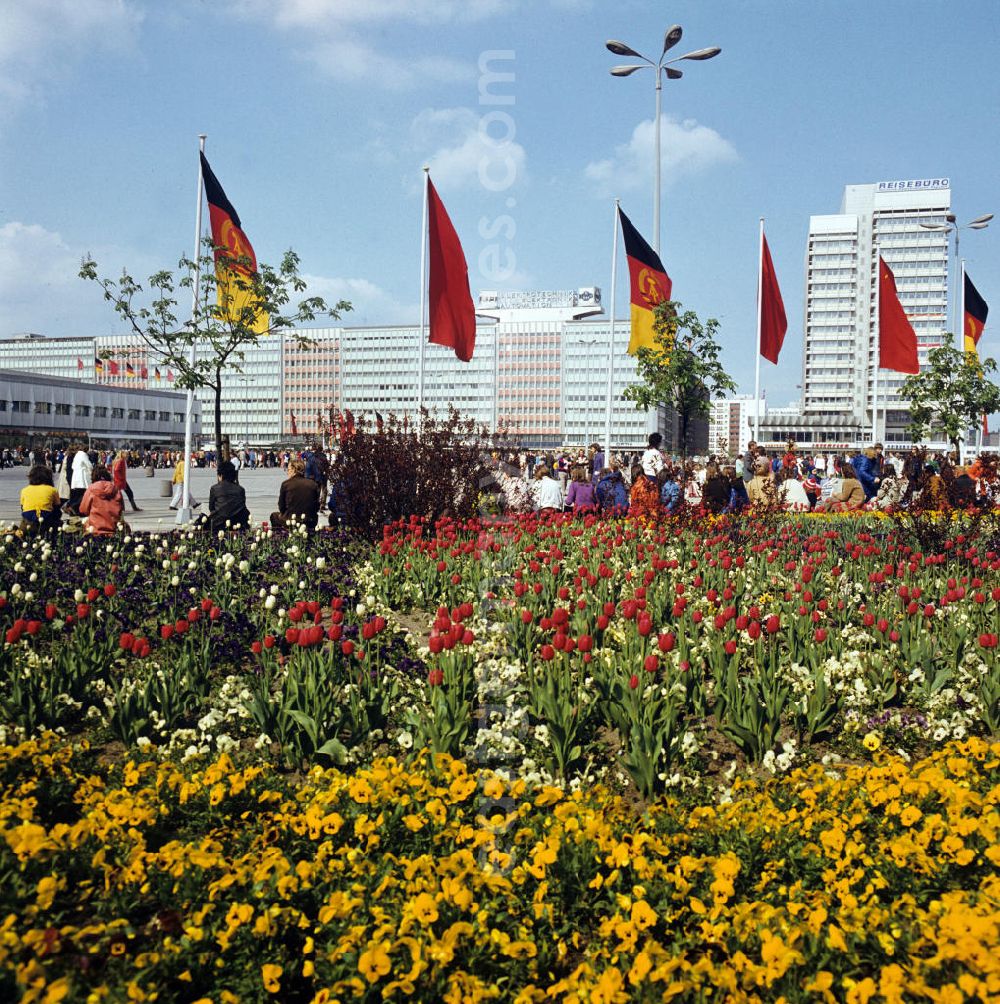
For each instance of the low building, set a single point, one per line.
(53, 411)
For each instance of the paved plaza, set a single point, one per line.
(261, 487)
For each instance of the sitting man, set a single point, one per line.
(40, 502)
(298, 499)
(227, 501)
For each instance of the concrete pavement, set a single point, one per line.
(261, 486)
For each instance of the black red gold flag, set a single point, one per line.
(976, 310)
(235, 261)
(650, 285)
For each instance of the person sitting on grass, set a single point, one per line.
(298, 499)
(102, 504)
(40, 503)
(227, 501)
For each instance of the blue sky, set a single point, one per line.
(321, 113)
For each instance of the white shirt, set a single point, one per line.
(82, 469)
(794, 495)
(652, 462)
(548, 494)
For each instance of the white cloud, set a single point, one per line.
(348, 58)
(686, 148)
(370, 303)
(42, 39)
(39, 287)
(334, 36)
(463, 149)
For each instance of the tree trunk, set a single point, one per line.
(683, 416)
(218, 417)
(957, 444)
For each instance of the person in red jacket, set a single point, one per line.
(119, 473)
(102, 504)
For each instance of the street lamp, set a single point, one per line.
(949, 228)
(586, 411)
(246, 410)
(662, 66)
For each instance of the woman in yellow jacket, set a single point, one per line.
(178, 481)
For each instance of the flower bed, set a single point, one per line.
(677, 759)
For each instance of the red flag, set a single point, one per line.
(144, 373)
(295, 427)
(170, 376)
(773, 324)
(452, 313)
(897, 341)
(79, 364)
(113, 367)
(350, 422)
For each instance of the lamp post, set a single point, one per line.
(586, 412)
(246, 410)
(949, 228)
(662, 67)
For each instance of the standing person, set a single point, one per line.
(738, 498)
(652, 459)
(81, 472)
(102, 504)
(40, 502)
(760, 489)
(581, 491)
(119, 472)
(298, 498)
(177, 501)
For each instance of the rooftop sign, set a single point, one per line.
(912, 186)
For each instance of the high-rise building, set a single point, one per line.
(730, 426)
(839, 364)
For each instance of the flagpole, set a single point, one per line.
(878, 340)
(184, 512)
(609, 404)
(496, 379)
(423, 305)
(760, 305)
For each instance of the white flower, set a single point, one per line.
(269, 603)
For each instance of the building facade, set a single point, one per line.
(47, 410)
(540, 370)
(730, 427)
(839, 396)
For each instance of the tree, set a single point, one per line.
(389, 473)
(951, 395)
(683, 370)
(255, 306)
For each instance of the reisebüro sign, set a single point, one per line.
(912, 186)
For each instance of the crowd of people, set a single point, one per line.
(93, 486)
(90, 487)
(652, 483)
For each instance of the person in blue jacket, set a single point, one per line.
(866, 468)
(611, 490)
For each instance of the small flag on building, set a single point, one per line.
(143, 373)
(130, 371)
(379, 424)
(170, 377)
(79, 365)
(649, 283)
(113, 367)
(156, 374)
(295, 425)
(98, 365)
